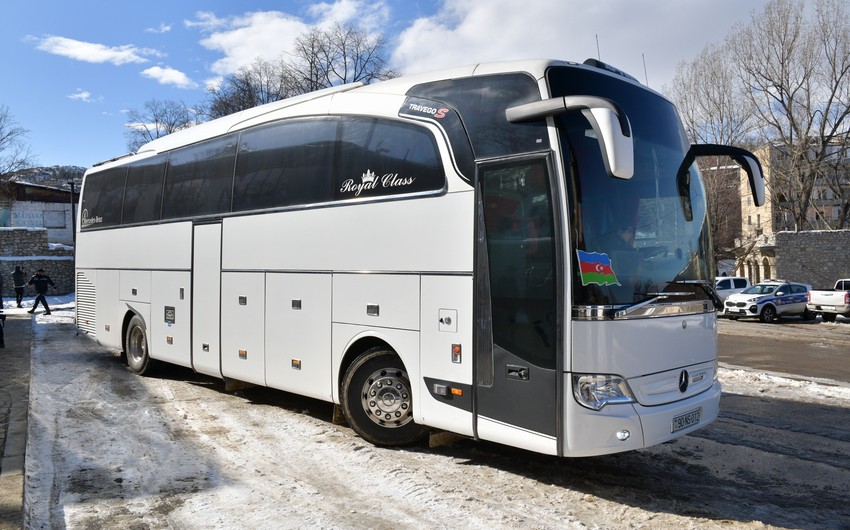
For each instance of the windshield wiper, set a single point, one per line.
(707, 288)
(655, 298)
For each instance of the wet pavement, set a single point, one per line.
(14, 395)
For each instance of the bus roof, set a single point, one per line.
(396, 87)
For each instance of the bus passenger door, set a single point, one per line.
(206, 299)
(517, 310)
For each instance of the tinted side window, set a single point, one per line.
(102, 198)
(740, 283)
(285, 164)
(143, 194)
(723, 284)
(481, 101)
(199, 179)
(380, 157)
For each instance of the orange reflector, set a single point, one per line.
(243, 354)
(457, 392)
(455, 348)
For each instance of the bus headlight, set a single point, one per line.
(596, 391)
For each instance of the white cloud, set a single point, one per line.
(95, 53)
(205, 21)
(169, 76)
(244, 39)
(665, 32)
(268, 35)
(162, 28)
(82, 95)
(372, 16)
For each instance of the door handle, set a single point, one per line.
(517, 372)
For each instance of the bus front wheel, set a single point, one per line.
(136, 347)
(377, 400)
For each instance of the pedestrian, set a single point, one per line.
(41, 281)
(19, 279)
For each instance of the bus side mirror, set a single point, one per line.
(748, 161)
(617, 146)
(609, 122)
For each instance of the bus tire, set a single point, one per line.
(377, 400)
(136, 347)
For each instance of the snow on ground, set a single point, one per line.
(107, 448)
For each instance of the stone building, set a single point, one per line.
(776, 248)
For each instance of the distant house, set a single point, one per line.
(41, 198)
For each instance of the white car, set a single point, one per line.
(729, 285)
(769, 300)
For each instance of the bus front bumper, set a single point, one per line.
(627, 427)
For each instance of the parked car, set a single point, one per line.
(729, 285)
(769, 300)
(829, 303)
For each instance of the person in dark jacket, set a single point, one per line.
(19, 279)
(41, 281)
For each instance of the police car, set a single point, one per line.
(769, 300)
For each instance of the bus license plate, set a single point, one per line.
(683, 421)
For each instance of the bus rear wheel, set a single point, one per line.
(377, 400)
(136, 347)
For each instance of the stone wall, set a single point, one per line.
(814, 257)
(28, 247)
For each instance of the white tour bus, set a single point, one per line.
(516, 252)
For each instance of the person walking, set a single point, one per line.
(19, 280)
(40, 281)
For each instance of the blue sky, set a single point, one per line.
(71, 70)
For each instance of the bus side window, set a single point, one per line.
(143, 194)
(383, 157)
(199, 179)
(288, 163)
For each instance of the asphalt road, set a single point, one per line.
(811, 349)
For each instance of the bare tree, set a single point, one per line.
(14, 152)
(321, 58)
(714, 109)
(711, 99)
(796, 69)
(261, 82)
(338, 55)
(156, 119)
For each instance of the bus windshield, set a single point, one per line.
(632, 237)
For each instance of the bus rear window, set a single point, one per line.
(102, 199)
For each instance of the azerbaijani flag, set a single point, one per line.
(596, 268)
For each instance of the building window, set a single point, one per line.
(54, 219)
